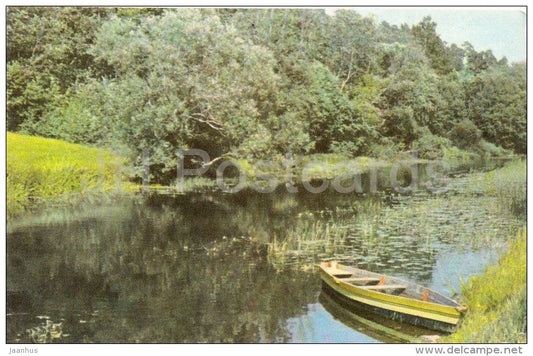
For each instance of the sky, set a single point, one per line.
(502, 30)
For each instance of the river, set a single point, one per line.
(215, 267)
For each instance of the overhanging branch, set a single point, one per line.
(207, 164)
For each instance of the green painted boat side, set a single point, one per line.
(369, 327)
(444, 311)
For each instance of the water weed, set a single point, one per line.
(374, 234)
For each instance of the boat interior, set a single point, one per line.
(384, 284)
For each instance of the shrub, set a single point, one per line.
(431, 147)
(465, 134)
(387, 150)
(459, 159)
(491, 149)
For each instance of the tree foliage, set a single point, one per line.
(47, 53)
(443, 58)
(496, 103)
(252, 83)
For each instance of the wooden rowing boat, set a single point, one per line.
(373, 325)
(390, 296)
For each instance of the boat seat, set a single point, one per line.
(397, 288)
(361, 280)
(339, 273)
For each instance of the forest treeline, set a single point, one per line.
(255, 84)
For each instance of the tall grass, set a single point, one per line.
(509, 186)
(308, 241)
(497, 301)
(40, 169)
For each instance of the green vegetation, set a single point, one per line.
(366, 230)
(497, 299)
(367, 233)
(40, 169)
(306, 241)
(256, 84)
(287, 86)
(510, 187)
(497, 302)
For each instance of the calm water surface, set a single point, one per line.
(195, 268)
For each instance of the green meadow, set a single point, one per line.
(42, 171)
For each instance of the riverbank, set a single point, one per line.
(43, 172)
(497, 301)
(334, 170)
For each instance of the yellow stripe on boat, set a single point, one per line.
(395, 303)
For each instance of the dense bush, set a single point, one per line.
(465, 134)
(431, 146)
(496, 104)
(492, 150)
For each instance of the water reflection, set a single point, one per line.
(137, 278)
(320, 323)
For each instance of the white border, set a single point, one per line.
(144, 349)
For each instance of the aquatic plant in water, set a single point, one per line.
(375, 233)
(46, 332)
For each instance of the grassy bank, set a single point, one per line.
(41, 171)
(497, 299)
(497, 303)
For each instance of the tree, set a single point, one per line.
(187, 80)
(46, 55)
(478, 61)
(451, 108)
(442, 58)
(250, 83)
(410, 97)
(496, 103)
(352, 46)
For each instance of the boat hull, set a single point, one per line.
(416, 312)
(379, 327)
(356, 306)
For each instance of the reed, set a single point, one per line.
(373, 232)
(307, 241)
(41, 170)
(509, 186)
